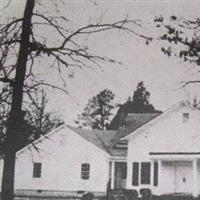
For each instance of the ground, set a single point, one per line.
(153, 198)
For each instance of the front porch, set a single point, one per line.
(178, 173)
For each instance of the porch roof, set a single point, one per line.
(174, 155)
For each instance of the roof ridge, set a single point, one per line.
(102, 142)
(91, 130)
(142, 113)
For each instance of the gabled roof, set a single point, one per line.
(102, 139)
(41, 138)
(159, 117)
(132, 122)
(108, 140)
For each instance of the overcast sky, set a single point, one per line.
(161, 74)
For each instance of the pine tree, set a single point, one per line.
(138, 104)
(97, 112)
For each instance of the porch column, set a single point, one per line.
(159, 188)
(112, 174)
(195, 177)
(152, 174)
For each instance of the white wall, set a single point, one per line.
(169, 134)
(167, 178)
(198, 179)
(61, 156)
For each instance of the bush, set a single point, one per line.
(131, 194)
(88, 196)
(145, 193)
(110, 196)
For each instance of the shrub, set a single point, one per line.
(110, 196)
(145, 193)
(131, 194)
(88, 196)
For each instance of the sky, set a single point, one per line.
(162, 75)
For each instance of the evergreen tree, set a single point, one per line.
(138, 104)
(98, 111)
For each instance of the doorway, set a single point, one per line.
(120, 175)
(183, 177)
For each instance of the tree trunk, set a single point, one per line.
(8, 176)
(15, 115)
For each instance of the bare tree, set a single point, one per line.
(22, 47)
(37, 120)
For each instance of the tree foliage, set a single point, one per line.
(98, 111)
(182, 39)
(37, 120)
(182, 36)
(138, 104)
(40, 117)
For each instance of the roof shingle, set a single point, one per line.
(107, 140)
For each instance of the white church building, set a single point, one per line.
(164, 154)
(159, 152)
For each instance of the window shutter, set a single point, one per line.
(135, 176)
(155, 179)
(145, 172)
